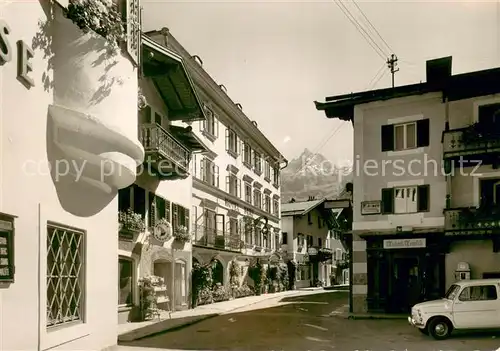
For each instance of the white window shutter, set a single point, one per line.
(133, 29)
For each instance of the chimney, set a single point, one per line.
(438, 70)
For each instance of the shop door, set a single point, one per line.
(405, 287)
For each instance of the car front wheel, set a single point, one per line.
(439, 328)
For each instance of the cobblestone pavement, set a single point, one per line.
(307, 323)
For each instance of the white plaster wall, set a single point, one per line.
(477, 253)
(287, 227)
(426, 167)
(32, 195)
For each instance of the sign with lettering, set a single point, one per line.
(404, 243)
(6, 256)
(371, 207)
(24, 54)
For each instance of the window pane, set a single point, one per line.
(411, 201)
(125, 288)
(399, 135)
(411, 136)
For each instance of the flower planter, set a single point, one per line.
(94, 114)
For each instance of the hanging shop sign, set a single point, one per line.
(24, 54)
(162, 231)
(6, 251)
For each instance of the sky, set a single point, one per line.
(277, 57)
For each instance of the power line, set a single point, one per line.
(375, 77)
(361, 30)
(373, 27)
(378, 79)
(320, 147)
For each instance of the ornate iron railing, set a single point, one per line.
(156, 139)
(471, 220)
(468, 141)
(210, 237)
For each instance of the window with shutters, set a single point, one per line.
(247, 155)
(258, 235)
(180, 216)
(276, 177)
(159, 208)
(257, 163)
(276, 207)
(257, 198)
(232, 142)
(210, 126)
(405, 136)
(233, 227)
(233, 185)
(267, 171)
(209, 172)
(409, 199)
(131, 13)
(267, 203)
(248, 193)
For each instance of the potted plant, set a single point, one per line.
(181, 234)
(141, 99)
(131, 222)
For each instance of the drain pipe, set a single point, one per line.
(447, 164)
(39, 282)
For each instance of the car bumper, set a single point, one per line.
(414, 323)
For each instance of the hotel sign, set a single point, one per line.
(24, 54)
(404, 243)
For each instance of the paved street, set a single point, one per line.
(306, 323)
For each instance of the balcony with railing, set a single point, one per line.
(167, 156)
(472, 220)
(217, 239)
(475, 142)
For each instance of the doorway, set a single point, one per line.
(405, 285)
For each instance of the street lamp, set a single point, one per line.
(264, 230)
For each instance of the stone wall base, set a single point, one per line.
(359, 304)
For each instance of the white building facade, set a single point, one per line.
(236, 186)
(160, 199)
(425, 206)
(68, 142)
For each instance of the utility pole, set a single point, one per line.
(392, 64)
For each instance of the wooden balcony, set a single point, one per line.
(167, 157)
(472, 221)
(472, 144)
(216, 239)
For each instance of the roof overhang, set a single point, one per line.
(170, 77)
(456, 87)
(189, 139)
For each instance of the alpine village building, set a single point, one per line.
(60, 177)
(431, 216)
(235, 205)
(311, 237)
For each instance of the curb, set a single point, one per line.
(155, 329)
(129, 336)
(365, 317)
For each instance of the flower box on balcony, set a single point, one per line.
(130, 224)
(181, 234)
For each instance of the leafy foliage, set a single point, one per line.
(129, 220)
(99, 16)
(258, 275)
(181, 234)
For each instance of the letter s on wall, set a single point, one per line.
(5, 49)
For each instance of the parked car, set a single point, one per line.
(468, 304)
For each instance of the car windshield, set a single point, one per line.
(452, 292)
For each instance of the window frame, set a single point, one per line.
(249, 195)
(257, 203)
(210, 126)
(405, 136)
(132, 279)
(82, 274)
(470, 287)
(232, 142)
(405, 191)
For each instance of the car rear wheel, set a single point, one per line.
(439, 328)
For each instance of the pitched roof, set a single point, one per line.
(299, 208)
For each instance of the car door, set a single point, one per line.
(476, 307)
